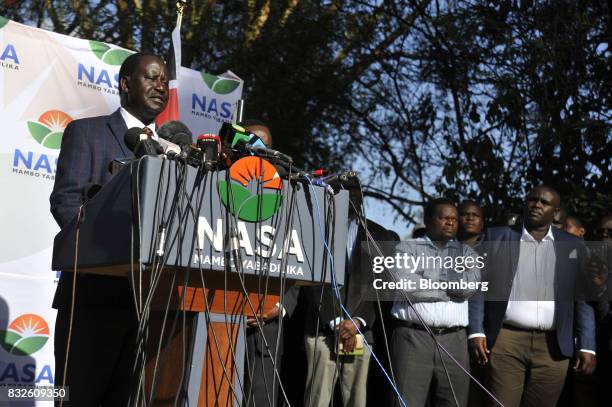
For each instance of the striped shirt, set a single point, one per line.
(438, 308)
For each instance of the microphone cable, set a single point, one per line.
(178, 237)
(364, 222)
(73, 299)
(157, 267)
(235, 251)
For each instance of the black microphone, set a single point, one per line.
(175, 132)
(141, 144)
(268, 153)
(342, 177)
(178, 133)
(210, 146)
(132, 137)
(256, 147)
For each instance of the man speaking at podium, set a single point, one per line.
(101, 341)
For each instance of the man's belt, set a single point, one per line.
(522, 329)
(436, 331)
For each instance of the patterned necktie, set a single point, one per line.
(148, 132)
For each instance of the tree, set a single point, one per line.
(487, 100)
(471, 99)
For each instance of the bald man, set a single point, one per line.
(531, 326)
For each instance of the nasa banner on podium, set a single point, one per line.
(46, 81)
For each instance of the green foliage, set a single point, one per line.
(477, 99)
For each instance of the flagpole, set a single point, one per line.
(180, 7)
(171, 112)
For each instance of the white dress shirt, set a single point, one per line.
(131, 121)
(531, 304)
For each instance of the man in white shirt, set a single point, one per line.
(532, 324)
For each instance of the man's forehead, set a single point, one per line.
(470, 207)
(543, 193)
(149, 62)
(446, 209)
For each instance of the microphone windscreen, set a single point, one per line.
(181, 139)
(132, 137)
(175, 132)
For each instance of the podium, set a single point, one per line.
(210, 248)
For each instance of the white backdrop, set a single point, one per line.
(47, 80)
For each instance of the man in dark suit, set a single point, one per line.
(100, 334)
(532, 323)
(327, 325)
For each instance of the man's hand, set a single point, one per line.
(263, 318)
(348, 345)
(347, 329)
(479, 350)
(585, 363)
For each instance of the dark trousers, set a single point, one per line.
(102, 349)
(261, 383)
(419, 367)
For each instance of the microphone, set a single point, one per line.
(170, 149)
(319, 172)
(244, 141)
(175, 132)
(229, 131)
(268, 153)
(178, 133)
(140, 144)
(336, 179)
(321, 183)
(210, 147)
(251, 143)
(342, 177)
(232, 134)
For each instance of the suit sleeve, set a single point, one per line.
(476, 305)
(584, 316)
(74, 169)
(290, 299)
(365, 307)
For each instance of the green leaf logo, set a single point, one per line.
(49, 128)
(3, 21)
(26, 335)
(237, 198)
(220, 85)
(107, 54)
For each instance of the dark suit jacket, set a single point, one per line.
(88, 146)
(573, 319)
(354, 293)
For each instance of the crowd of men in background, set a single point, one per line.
(523, 351)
